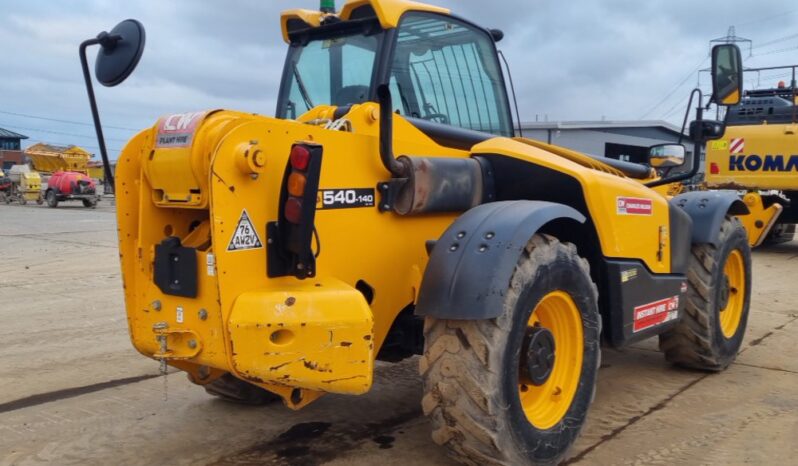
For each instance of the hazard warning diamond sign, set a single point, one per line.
(245, 236)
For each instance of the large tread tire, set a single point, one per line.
(230, 388)
(780, 234)
(697, 341)
(470, 368)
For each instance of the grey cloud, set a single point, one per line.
(570, 60)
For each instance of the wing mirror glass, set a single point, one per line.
(666, 155)
(727, 74)
(120, 52)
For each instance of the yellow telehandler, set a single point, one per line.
(388, 210)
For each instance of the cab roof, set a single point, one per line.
(388, 12)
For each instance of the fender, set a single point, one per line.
(707, 209)
(473, 261)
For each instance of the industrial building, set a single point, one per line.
(623, 140)
(11, 149)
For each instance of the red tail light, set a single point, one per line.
(713, 168)
(300, 157)
(293, 210)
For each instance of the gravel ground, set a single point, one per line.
(74, 391)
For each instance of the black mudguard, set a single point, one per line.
(707, 209)
(473, 261)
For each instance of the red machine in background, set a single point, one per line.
(71, 186)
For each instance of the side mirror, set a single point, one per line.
(666, 155)
(727, 74)
(120, 52)
(706, 130)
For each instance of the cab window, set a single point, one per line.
(446, 71)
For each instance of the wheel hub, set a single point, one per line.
(538, 355)
(725, 291)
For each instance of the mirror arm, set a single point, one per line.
(698, 144)
(108, 41)
(109, 176)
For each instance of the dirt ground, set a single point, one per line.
(74, 391)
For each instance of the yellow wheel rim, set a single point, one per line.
(545, 405)
(734, 275)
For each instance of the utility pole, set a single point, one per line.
(732, 38)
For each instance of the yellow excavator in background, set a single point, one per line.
(758, 155)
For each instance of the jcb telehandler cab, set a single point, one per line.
(389, 211)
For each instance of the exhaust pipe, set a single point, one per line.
(386, 133)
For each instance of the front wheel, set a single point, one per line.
(516, 389)
(712, 328)
(90, 203)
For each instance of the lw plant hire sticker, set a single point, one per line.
(178, 130)
(245, 236)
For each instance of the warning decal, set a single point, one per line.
(635, 206)
(658, 312)
(245, 236)
(719, 145)
(737, 146)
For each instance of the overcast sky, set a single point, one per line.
(577, 60)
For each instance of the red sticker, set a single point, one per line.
(635, 206)
(658, 312)
(178, 130)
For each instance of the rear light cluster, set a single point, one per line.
(290, 251)
(297, 182)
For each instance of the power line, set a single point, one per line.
(679, 106)
(768, 18)
(771, 52)
(71, 122)
(673, 91)
(60, 133)
(776, 41)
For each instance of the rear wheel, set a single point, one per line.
(516, 389)
(52, 200)
(711, 330)
(230, 388)
(781, 233)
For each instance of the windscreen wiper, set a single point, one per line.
(302, 89)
